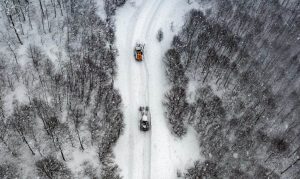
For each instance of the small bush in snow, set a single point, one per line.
(179, 174)
(160, 35)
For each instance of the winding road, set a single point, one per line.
(152, 154)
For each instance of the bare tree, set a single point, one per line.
(22, 122)
(9, 10)
(77, 116)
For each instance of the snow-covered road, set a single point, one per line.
(154, 154)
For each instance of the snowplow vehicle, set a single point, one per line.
(139, 52)
(145, 121)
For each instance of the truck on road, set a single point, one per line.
(139, 52)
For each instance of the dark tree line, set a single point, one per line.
(243, 57)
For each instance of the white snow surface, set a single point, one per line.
(157, 153)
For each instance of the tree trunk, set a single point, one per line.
(60, 149)
(43, 15)
(16, 32)
(227, 79)
(289, 113)
(61, 152)
(29, 19)
(270, 173)
(36, 144)
(60, 7)
(219, 76)
(258, 117)
(269, 157)
(48, 22)
(24, 139)
(294, 152)
(290, 166)
(81, 145)
(54, 7)
(42, 10)
(206, 76)
(295, 138)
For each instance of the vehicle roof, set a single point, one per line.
(138, 48)
(144, 117)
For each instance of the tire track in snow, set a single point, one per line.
(154, 14)
(139, 33)
(147, 93)
(147, 136)
(133, 73)
(138, 27)
(130, 114)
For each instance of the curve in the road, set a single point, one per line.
(146, 37)
(135, 87)
(140, 26)
(130, 115)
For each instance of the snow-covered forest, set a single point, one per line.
(221, 79)
(234, 75)
(60, 114)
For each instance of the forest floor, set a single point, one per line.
(156, 153)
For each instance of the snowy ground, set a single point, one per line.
(154, 154)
